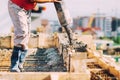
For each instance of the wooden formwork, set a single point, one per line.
(106, 63)
(5, 57)
(77, 62)
(45, 40)
(78, 70)
(45, 76)
(6, 41)
(41, 40)
(76, 74)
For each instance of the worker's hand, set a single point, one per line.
(36, 8)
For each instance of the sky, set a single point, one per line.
(75, 7)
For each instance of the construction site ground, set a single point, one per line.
(47, 64)
(59, 62)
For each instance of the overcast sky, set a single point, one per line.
(76, 8)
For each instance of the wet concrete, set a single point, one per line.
(45, 60)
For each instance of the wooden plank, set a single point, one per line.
(106, 63)
(45, 76)
(79, 55)
(90, 60)
(4, 63)
(5, 42)
(114, 71)
(75, 76)
(45, 40)
(78, 63)
(24, 76)
(103, 64)
(95, 70)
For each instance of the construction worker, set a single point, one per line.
(20, 13)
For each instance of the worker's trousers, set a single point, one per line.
(21, 21)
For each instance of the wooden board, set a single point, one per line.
(45, 76)
(106, 64)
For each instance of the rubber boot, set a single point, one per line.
(15, 59)
(22, 57)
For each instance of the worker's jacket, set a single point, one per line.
(26, 4)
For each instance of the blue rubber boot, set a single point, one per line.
(22, 57)
(15, 59)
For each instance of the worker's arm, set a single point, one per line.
(44, 1)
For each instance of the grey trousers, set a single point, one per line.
(21, 19)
